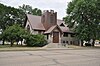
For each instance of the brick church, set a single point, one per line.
(55, 30)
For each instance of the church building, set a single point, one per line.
(55, 30)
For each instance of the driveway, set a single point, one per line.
(65, 57)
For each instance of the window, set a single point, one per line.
(47, 36)
(67, 42)
(63, 41)
(71, 42)
(28, 28)
(51, 19)
(39, 32)
(72, 35)
(62, 25)
(65, 35)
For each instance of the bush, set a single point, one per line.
(36, 40)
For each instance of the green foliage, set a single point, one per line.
(13, 33)
(84, 17)
(16, 33)
(27, 9)
(10, 15)
(11, 21)
(37, 11)
(36, 40)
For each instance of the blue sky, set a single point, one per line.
(58, 5)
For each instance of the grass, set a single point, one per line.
(7, 46)
(17, 48)
(25, 48)
(83, 47)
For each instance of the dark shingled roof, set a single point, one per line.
(59, 22)
(36, 24)
(50, 29)
(35, 21)
(64, 29)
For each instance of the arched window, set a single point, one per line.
(28, 27)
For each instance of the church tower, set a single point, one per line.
(49, 18)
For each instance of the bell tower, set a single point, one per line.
(49, 18)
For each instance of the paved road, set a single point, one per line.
(87, 57)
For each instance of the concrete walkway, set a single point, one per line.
(87, 57)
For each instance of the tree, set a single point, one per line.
(10, 15)
(84, 17)
(27, 9)
(13, 33)
(37, 11)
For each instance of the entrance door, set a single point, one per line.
(55, 37)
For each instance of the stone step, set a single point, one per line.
(56, 45)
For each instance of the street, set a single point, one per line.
(65, 57)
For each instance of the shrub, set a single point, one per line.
(36, 40)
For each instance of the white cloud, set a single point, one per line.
(58, 5)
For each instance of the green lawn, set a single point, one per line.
(25, 48)
(17, 48)
(8, 46)
(84, 47)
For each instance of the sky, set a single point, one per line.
(58, 6)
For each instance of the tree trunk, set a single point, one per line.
(93, 42)
(81, 44)
(11, 43)
(17, 42)
(3, 42)
(21, 42)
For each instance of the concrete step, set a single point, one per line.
(56, 45)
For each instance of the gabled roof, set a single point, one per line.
(51, 29)
(59, 22)
(35, 22)
(64, 29)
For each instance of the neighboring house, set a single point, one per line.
(55, 30)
